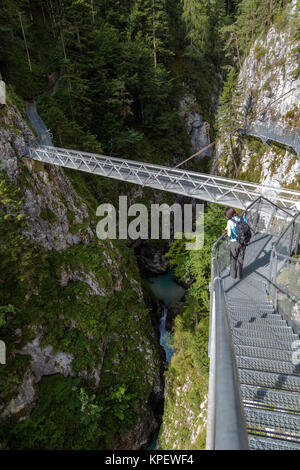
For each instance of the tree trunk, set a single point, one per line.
(154, 36)
(233, 156)
(26, 47)
(237, 47)
(271, 12)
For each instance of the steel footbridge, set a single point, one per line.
(205, 187)
(254, 347)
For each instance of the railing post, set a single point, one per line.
(210, 422)
(257, 216)
(291, 239)
(275, 301)
(297, 241)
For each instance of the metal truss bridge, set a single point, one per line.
(206, 187)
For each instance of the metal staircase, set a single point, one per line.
(261, 336)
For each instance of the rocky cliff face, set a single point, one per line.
(269, 89)
(81, 312)
(197, 128)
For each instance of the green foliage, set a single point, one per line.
(120, 401)
(5, 310)
(68, 416)
(76, 319)
(229, 112)
(189, 365)
(251, 18)
(48, 215)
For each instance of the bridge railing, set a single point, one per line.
(226, 425)
(285, 274)
(264, 216)
(43, 133)
(272, 131)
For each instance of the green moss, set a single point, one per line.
(48, 215)
(293, 117)
(254, 168)
(14, 99)
(295, 184)
(259, 52)
(78, 227)
(277, 159)
(70, 215)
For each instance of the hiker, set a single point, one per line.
(239, 233)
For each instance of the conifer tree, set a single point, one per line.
(229, 112)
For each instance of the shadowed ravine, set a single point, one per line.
(167, 290)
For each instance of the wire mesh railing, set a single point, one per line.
(284, 286)
(265, 216)
(287, 297)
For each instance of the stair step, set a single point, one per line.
(265, 353)
(262, 343)
(262, 443)
(238, 321)
(270, 380)
(268, 365)
(250, 307)
(278, 330)
(276, 334)
(274, 423)
(252, 314)
(271, 398)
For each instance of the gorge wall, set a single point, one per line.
(267, 93)
(75, 317)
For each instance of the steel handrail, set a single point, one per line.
(226, 426)
(287, 228)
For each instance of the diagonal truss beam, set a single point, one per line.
(206, 187)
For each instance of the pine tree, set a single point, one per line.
(149, 19)
(229, 112)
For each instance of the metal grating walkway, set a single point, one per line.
(270, 382)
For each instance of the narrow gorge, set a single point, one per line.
(106, 340)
